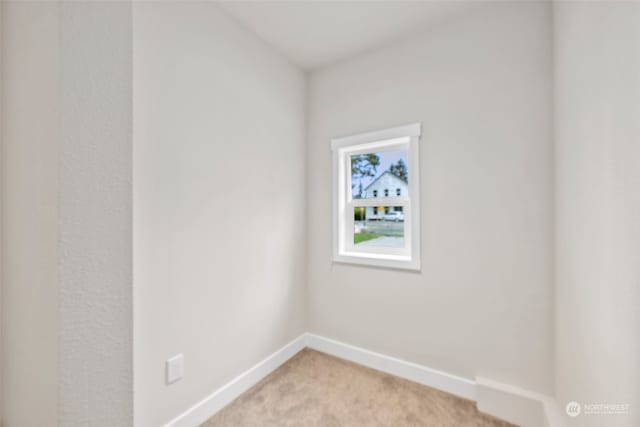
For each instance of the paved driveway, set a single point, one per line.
(384, 242)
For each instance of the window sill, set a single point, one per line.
(378, 261)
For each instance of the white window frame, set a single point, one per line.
(344, 251)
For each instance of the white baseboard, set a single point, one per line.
(503, 401)
(209, 406)
(453, 384)
(509, 403)
(518, 406)
(555, 416)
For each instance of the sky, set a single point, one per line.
(387, 158)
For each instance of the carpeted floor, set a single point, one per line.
(317, 390)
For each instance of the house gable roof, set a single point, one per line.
(383, 174)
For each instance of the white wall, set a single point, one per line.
(1, 311)
(66, 219)
(480, 84)
(95, 209)
(598, 207)
(218, 202)
(30, 148)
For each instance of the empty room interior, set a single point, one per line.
(320, 213)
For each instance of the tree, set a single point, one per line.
(363, 166)
(399, 169)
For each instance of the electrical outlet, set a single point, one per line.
(175, 368)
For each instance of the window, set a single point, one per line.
(385, 231)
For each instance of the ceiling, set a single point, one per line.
(316, 33)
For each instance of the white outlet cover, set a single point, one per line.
(175, 368)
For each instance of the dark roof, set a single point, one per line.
(383, 174)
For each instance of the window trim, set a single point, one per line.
(409, 257)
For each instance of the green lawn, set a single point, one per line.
(363, 237)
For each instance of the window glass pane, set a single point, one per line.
(380, 174)
(380, 226)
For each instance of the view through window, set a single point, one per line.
(385, 173)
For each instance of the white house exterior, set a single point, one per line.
(385, 185)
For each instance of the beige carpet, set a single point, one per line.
(314, 389)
